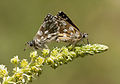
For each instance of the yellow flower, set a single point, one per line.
(45, 52)
(15, 60)
(40, 60)
(24, 63)
(3, 71)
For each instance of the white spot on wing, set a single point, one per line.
(46, 31)
(58, 40)
(71, 33)
(42, 37)
(54, 33)
(77, 34)
(49, 36)
(65, 30)
(43, 25)
(64, 23)
(58, 28)
(71, 28)
(40, 33)
(64, 35)
(38, 40)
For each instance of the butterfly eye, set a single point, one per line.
(30, 43)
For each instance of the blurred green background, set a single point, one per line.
(20, 20)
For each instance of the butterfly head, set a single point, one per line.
(84, 35)
(30, 44)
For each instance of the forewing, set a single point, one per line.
(67, 31)
(48, 30)
(66, 18)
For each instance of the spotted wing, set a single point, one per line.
(48, 30)
(68, 31)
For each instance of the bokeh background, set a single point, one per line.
(20, 20)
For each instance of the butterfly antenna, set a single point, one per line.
(25, 47)
(26, 44)
(88, 41)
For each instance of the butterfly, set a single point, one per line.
(68, 31)
(47, 32)
(56, 28)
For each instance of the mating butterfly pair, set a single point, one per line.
(56, 28)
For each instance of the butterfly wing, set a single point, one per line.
(67, 31)
(65, 17)
(59, 28)
(47, 31)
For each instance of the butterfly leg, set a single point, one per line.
(72, 43)
(69, 44)
(88, 41)
(45, 46)
(83, 41)
(78, 41)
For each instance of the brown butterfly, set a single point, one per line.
(47, 32)
(68, 31)
(58, 28)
